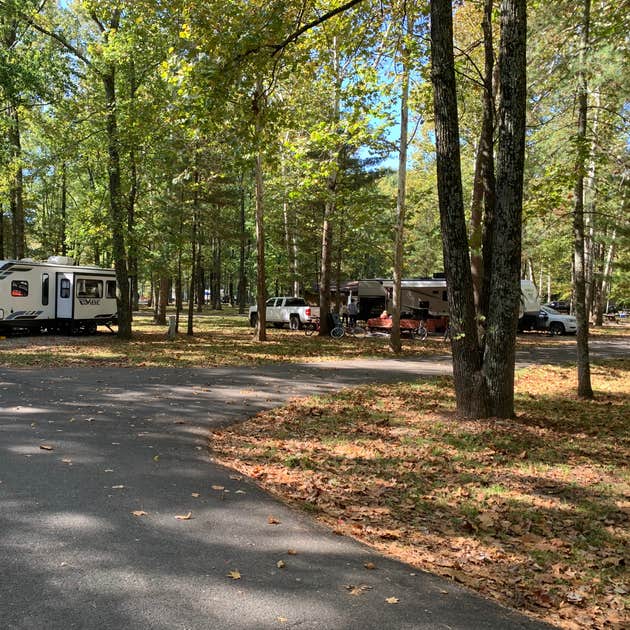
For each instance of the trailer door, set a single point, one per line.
(64, 292)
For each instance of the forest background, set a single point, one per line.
(176, 139)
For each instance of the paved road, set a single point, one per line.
(72, 554)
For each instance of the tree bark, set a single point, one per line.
(17, 183)
(481, 224)
(64, 210)
(329, 209)
(395, 344)
(585, 389)
(470, 389)
(242, 276)
(326, 260)
(505, 290)
(261, 280)
(193, 254)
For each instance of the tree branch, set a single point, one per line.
(56, 36)
(278, 48)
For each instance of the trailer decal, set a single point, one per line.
(25, 315)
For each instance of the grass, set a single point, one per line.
(221, 338)
(532, 512)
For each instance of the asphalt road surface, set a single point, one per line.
(118, 441)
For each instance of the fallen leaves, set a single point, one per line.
(139, 513)
(234, 575)
(184, 517)
(392, 600)
(272, 520)
(530, 512)
(281, 564)
(46, 447)
(358, 589)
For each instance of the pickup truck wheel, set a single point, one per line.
(253, 320)
(556, 328)
(294, 322)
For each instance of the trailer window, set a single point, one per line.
(110, 290)
(19, 288)
(45, 285)
(64, 288)
(89, 288)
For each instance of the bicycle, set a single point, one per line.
(311, 327)
(420, 333)
(352, 330)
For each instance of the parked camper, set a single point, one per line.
(56, 296)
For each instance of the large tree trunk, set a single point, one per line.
(484, 383)
(395, 344)
(505, 291)
(131, 204)
(585, 389)
(329, 209)
(470, 390)
(117, 214)
(483, 194)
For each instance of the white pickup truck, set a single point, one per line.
(285, 310)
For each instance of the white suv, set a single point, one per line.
(555, 322)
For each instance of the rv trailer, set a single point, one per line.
(426, 299)
(56, 296)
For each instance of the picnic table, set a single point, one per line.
(384, 324)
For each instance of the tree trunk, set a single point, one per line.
(162, 301)
(131, 203)
(64, 210)
(242, 276)
(289, 234)
(117, 215)
(261, 281)
(329, 209)
(217, 274)
(1, 231)
(470, 390)
(505, 263)
(585, 389)
(16, 191)
(395, 344)
(326, 262)
(193, 254)
(483, 183)
(200, 280)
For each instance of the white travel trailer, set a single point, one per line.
(56, 296)
(426, 298)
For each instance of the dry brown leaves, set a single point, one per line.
(532, 512)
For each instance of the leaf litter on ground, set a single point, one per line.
(532, 512)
